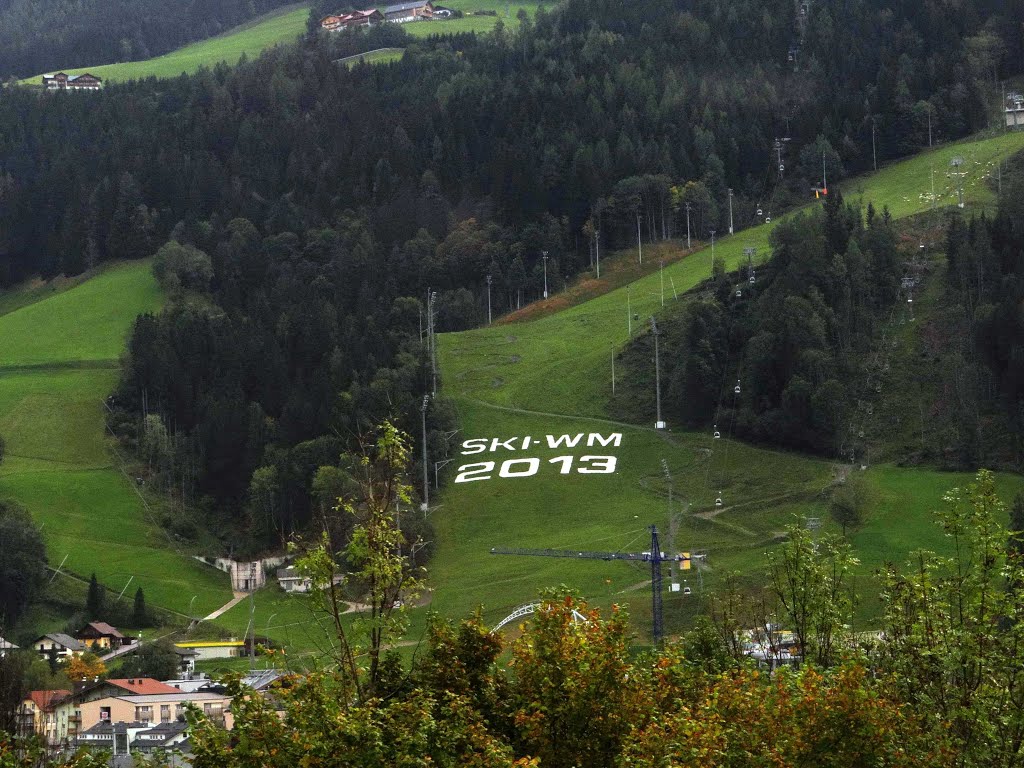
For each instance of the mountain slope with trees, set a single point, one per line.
(305, 236)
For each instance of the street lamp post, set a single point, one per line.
(426, 482)
(488, 299)
(730, 211)
(687, 226)
(545, 255)
(597, 250)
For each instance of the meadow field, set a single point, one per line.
(551, 374)
(278, 27)
(58, 362)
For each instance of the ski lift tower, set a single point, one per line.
(655, 557)
(777, 146)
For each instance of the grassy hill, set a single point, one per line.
(547, 371)
(551, 374)
(58, 362)
(281, 26)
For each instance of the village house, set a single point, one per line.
(38, 716)
(6, 647)
(367, 18)
(100, 635)
(291, 580)
(157, 708)
(417, 10)
(162, 736)
(186, 662)
(58, 646)
(64, 82)
(125, 738)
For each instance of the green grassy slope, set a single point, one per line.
(58, 361)
(280, 26)
(552, 376)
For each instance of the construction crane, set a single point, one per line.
(655, 557)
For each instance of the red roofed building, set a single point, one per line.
(143, 686)
(365, 18)
(38, 716)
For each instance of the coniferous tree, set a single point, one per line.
(140, 617)
(95, 599)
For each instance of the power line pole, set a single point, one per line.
(658, 424)
(431, 339)
(712, 253)
(545, 257)
(426, 479)
(639, 242)
(662, 276)
(730, 211)
(488, 299)
(597, 250)
(687, 226)
(874, 154)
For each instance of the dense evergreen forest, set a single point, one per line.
(799, 336)
(302, 210)
(44, 35)
(774, 354)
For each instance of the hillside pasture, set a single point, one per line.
(58, 363)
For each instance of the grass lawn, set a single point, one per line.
(383, 56)
(58, 361)
(251, 38)
(82, 326)
(550, 373)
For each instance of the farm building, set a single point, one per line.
(65, 82)
(366, 18)
(417, 10)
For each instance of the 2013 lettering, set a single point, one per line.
(512, 468)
